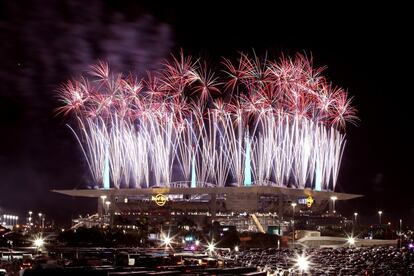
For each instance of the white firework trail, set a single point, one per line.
(185, 149)
(282, 149)
(233, 134)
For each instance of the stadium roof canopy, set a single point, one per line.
(258, 190)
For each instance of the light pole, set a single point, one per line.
(103, 208)
(108, 217)
(107, 206)
(379, 215)
(40, 219)
(30, 217)
(333, 198)
(355, 221)
(103, 197)
(293, 204)
(400, 234)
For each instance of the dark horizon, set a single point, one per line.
(366, 51)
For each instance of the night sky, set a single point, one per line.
(43, 43)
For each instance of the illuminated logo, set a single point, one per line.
(159, 199)
(309, 201)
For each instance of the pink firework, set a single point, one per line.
(205, 84)
(290, 85)
(74, 95)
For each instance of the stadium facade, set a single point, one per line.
(271, 205)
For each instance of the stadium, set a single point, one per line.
(255, 136)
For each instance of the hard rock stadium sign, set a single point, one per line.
(159, 199)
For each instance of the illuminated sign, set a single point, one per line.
(159, 199)
(309, 201)
(302, 200)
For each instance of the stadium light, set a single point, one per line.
(38, 241)
(211, 247)
(333, 198)
(351, 241)
(302, 263)
(293, 204)
(103, 197)
(380, 214)
(166, 240)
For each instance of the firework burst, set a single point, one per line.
(281, 121)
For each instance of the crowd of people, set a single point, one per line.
(329, 261)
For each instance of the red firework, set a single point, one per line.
(185, 88)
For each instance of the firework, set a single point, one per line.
(280, 121)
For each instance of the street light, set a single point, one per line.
(40, 219)
(166, 240)
(30, 217)
(380, 214)
(302, 263)
(351, 241)
(211, 247)
(333, 198)
(107, 206)
(293, 204)
(400, 234)
(39, 242)
(355, 220)
(103, 197)
(103, 209)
